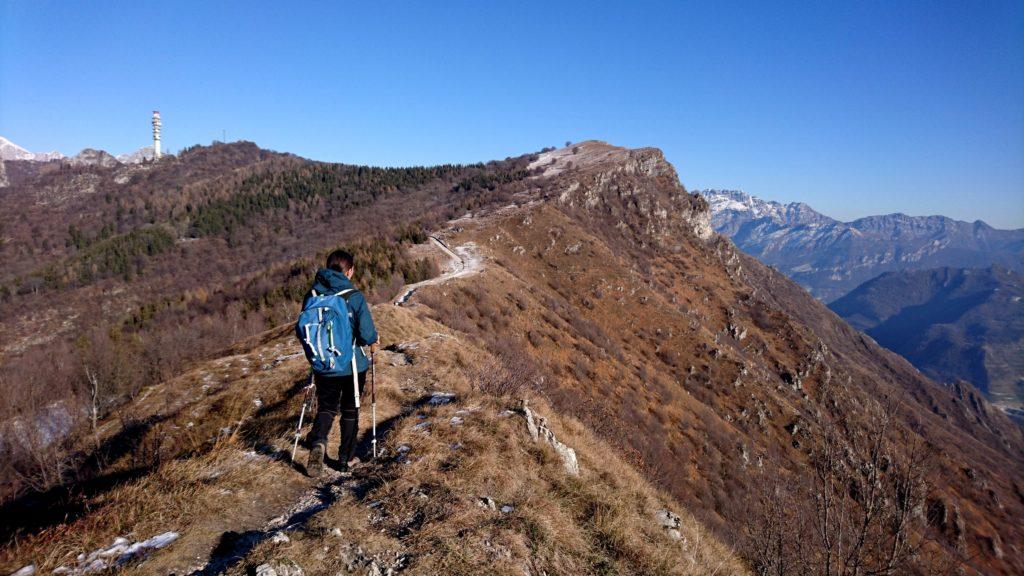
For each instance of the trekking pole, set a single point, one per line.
(373, 401)
(305, 403)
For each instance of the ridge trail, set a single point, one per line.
(234, 546)
(465, 260)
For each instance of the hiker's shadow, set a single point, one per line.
(364, 446)
(282, 423)
(272, 421)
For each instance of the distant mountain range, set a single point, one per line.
(829, 257)
(91, 157)
(950, 323)
(11, 151)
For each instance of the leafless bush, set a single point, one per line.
(38, 410)
(511, 374)
(856, 513)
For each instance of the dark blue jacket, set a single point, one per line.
(331, 282)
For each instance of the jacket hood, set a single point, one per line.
(330, 281)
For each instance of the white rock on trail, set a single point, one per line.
(439, 398)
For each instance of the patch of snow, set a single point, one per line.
(119, 553)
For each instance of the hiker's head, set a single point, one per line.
(341, 261)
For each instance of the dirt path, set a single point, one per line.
(465, 260)
(310, 498)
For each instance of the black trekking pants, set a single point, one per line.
(335, 394)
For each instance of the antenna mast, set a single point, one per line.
(156, 134)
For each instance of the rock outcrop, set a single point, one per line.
(539, 431)
(93, 157)
(636, 190)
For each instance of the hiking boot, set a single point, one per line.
(315, 466)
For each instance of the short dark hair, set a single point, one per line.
(340, 261)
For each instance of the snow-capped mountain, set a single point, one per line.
(830, 257)
(11, 151)
(139, 156)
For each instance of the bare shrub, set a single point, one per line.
(856, 513)
(38, 411)
(512, 373)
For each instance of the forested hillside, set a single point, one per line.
(114, 278)
(952, 323)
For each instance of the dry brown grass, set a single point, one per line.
(425, 506)
(179, 496)
(210, 483)
(641, 347)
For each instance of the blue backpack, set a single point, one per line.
(325, 330)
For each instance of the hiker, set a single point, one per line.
(336, 391)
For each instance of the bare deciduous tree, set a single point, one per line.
(857, 511)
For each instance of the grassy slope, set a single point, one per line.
(234, 478)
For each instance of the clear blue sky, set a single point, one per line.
(856, 108)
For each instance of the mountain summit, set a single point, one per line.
(11, 151)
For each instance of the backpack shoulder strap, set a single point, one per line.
(346, 294)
